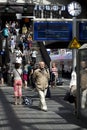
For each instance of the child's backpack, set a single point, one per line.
(27, 101)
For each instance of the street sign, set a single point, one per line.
(74, 44)
(53, 31)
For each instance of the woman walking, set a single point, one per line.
(54, 74)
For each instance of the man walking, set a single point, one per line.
(41, 77)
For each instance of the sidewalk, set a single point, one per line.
(59, 116)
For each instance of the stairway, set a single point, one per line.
(37, 48)
(42, 53)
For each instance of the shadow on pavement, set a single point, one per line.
(13, 121)
(67, 111)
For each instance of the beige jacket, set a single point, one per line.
(83, 79)
(41, 78)
(24, 30)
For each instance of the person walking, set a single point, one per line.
(34, 55)
(1, 75)
(41, 76)
(17, 82)
(54, 74)
(73, 88)
(83, 84)
(24, 29)
(12, 44)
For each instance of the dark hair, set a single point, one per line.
(17, 65)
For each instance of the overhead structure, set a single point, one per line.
(20, 6)
(54, 8)
(24, 1)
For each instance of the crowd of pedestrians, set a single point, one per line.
(25, 72)
(23, 69)
(19, 43)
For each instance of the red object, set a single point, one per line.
(25, 77)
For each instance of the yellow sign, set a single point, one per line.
(74, 44)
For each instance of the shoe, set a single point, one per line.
(45, 110)
(20, 103)
(75, 113)
(15, 103)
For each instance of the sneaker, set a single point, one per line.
(20, 103)
(15, 103)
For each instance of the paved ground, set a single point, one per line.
(59, 116)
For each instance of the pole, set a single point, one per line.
(74, 50)
(42, 13)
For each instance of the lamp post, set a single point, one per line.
(74, 51)
(74, 9)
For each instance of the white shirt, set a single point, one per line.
(73, 79)
(18, 52)
(34, 53)
(16, 74)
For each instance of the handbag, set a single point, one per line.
(69, 97)
(48, 94)
(52, 77)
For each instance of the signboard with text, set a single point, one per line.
(83, 31)
(56, 31)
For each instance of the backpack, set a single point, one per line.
(27, 101)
